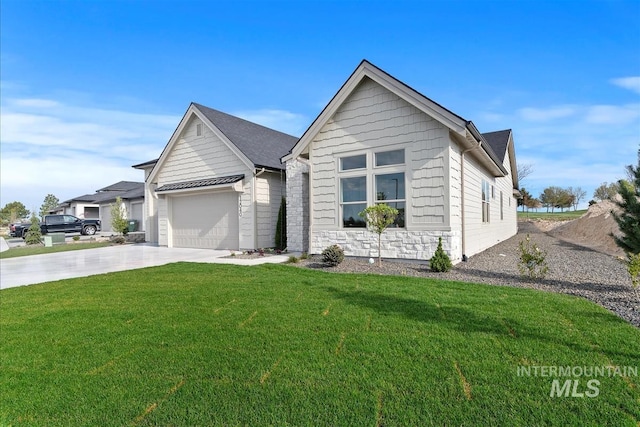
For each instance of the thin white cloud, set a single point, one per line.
(547, 114)
(280, 120)
(613, 114)
(36, 103)
(48, 146)
(631, 83)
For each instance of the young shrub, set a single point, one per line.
(633, 267)
(281, 226)
(333, 255)
(378, 218)
(76, 238)
(440, 261)
(119, 217)
(293, 259)
(34, 234)
(532, 261)
(304, 255)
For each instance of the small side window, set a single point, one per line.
(199, 129)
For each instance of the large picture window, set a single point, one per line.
(384, 171)
(486, 195)
(353, 191)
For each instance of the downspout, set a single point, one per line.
(255, 206)
(464, 238)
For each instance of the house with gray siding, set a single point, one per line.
(380, 141)
(217, 184)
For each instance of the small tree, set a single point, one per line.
(606, 191)
(50, 202)
(34, 234)
(281, 226)
(628, 219)
(378, 218)
(440, 261)
(119, 217)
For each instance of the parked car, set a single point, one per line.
(59, 224)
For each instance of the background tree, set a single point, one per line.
(628, 220)
(13, 211)
(606, 191)
(50, 203)
(578, 195)
(524, 170)
(119, 217)
(34, 234)
(378, 218)
(526, 196)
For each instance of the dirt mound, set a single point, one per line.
(593, 229)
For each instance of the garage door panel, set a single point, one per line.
(205, 221)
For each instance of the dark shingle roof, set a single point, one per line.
(126, 190)
(498, 141)
(201, 183)
(123, 186)
(261, 145)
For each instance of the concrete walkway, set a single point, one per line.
(34, 269)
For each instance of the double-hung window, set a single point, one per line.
(353, 190)
(486, 194)
(390, 187)
(384, 171)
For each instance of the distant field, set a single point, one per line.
(555, 216)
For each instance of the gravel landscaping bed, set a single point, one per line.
(573, 269)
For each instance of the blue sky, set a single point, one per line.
(89, 88)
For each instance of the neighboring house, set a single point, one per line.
(98, 205)
(217, 184)
(379, 140)
(132, 195)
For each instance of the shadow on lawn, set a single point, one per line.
(467, 320)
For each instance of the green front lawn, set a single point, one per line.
(200, 344)
(39, 249)
(552, 216)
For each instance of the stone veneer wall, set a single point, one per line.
(419, 245)
(297, 206)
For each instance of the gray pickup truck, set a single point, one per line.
(59, 224)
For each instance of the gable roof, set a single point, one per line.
(263, 146)
(499, 141)
(466, 132)
(255, 145)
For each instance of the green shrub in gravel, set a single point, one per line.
(440, 261)
(532, 262)
(333, 255)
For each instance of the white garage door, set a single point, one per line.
(205, 221)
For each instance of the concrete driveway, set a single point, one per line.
(34, 269)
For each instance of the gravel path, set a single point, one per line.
(573, 270)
